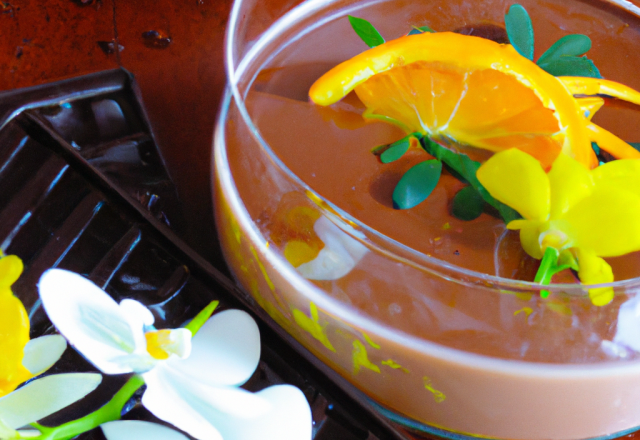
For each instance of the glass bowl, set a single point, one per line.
(424, 318)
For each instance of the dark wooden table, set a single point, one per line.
(174, 49)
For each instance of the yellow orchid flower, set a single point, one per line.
(580, 215)
(20, 358)
(14, 328)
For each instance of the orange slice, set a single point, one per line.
(464, 89)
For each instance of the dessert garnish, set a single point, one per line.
(572, 216)
(564, 58)
(192, 374)
(453, 93)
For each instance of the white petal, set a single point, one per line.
(45, 396)
(195, 407)
(28, 433)
(341, 253)
(165, 400)
(89, 318)
(139, 430)
(181, 343)
(225, 351)
(138, 317)
(41, 353)
(138, 363)
(233, 401)
(203, 397)
(7, 432)
(288, 419)
(136, 312)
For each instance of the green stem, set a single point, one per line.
(547, 265)
(196, 323)
(110, 411)
(548, 268)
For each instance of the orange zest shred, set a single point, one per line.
(478, 93)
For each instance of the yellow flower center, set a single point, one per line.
(161, 344)
(555, 239)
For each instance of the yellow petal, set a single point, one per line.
(622, 173)
(569, 182)
(517, 180)
(606, 221)
(529, 235)
(14, 335)
(10, 269)
(516, 225)
(594, 270)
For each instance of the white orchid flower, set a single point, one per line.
(340, 254)
(139, 430)
(192, 383)
(41, 398)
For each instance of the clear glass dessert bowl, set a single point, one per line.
(430, 316)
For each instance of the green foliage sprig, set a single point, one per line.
(366, 31)
(418, 182)
(520, 30)
(564, 58)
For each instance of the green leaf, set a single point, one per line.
(520, 30)
(467, 204)
(366, 31)
(569, 45)
(416, 184)
(467, 168)
(635, 145)
(421, 30)
(571, 66)
(602, 158)
(396, 149)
